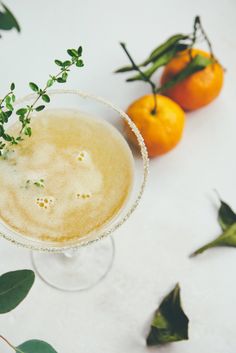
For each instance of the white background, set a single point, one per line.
(178, 211)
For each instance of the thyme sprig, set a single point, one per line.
(24, 113)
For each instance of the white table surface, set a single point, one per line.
(177, 213)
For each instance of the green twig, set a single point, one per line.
(10, 345)
(145, 78)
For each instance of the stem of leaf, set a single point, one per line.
(43, 92)
(205, 247)
(145, 78)
(198, 26)
(10, 345)
(198, 21)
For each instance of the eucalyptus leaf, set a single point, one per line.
(198, 63)
(35, 346)
(170, 323)
(227, 238)
(226, 216)
(8, 20)
(14, 287)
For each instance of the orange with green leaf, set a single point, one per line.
(192, 78)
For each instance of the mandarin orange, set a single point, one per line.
(198, 89)
(161, 131)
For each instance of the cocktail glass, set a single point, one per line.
(82, 263)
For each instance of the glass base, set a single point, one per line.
(78, 270)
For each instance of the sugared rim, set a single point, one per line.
(43, 245)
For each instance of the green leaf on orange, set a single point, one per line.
(198, 63)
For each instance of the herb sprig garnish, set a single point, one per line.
(24, 113)
(163, 54)
(170, 323)
(227, 221)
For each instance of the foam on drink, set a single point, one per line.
(68, 179)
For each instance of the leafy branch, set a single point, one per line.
(227, 221)
(14, 287)
(143, 76)
(163, 54)
(24, 113)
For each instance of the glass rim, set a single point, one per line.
(45, 246)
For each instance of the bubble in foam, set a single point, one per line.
(83, 196)
(83, 156)
(45, 202)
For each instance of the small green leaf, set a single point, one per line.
(170, 323)
(8, 20)
(46, 98)
(12, 86)
(21, 111)
(50, 83)
(79, 63)
(162, 60)
(35, 346)
(79, 51)
(58, 62)
(60, 80)
(66, 63)
(226, 215)
(198, 63)
(7, 115)
(39, 108)
(168, 44)
(8, 99)
(34, 87)
(28, 131)
(227, 238)
(73, 53)
(14, 287)
(1, 130)
(13, 98)
(9, 106)
(64, 76)
(7, 138)
(124, 69)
